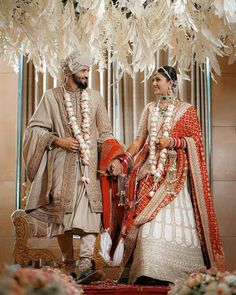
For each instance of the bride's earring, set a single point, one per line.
(170, 92)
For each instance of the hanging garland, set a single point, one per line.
(82, 135)
(157, 169)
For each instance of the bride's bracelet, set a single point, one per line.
(128, 158)
(177, 143)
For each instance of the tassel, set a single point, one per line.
(118, 255)
(105, 245)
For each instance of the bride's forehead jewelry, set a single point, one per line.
(166, 72)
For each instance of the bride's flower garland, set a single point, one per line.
(83, 134)
(157, 169)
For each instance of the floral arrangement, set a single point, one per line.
(208, 282)
(28, 281)
(129, 32)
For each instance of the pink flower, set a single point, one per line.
(212, 271)
(193, 281)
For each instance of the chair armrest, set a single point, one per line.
(25, 225)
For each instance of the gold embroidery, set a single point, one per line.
(198, 187)
(37, 157)
(164, 260)
(69, 174)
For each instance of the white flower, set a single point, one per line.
(166, 133)
(230, 279)
(86, 125)
(152, 147)
(151, 194)
(73, 119)
(152, 157)
(86, 116)
(153, 138)
(76, 133)
(161, 166)
(83, 178)
(157, 174)
(153, 133)
(154, 119)
(70, 113)
(163, 161)
(85, 111)
(68, 103)
(67, 96)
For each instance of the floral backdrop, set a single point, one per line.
(130, 32)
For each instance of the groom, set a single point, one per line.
(61, 156)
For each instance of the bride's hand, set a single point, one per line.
(116, 167)
(164, 142)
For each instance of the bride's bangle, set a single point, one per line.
(128, 158)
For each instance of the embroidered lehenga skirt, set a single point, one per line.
(168, 246)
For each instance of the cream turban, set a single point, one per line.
(75, 62)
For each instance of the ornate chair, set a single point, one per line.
(31, 242)
(33, 247)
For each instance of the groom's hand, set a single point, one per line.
(67, 143)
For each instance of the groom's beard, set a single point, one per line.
(80, 84)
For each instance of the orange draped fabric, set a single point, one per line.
(112, 212)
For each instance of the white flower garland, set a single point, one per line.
(157, 169)
(83, 134)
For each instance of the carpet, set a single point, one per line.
(119, 289)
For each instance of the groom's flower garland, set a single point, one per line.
(83, 134)
(157, 169)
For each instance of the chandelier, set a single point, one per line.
(129, 32)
